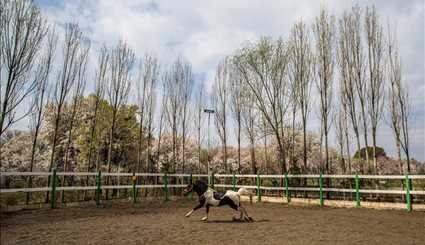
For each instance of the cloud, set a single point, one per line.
(203, 32)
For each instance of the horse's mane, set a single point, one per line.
(200, 187)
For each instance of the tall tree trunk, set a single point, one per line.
(33, 148)
(282, 156)
(358, 150)
(348, 151)
(92, 135)
(305, 148)
(266, 165)
(52, 156)
(111, 141)
(253, 161)
(365, 139)
(375, 164)
(293, 162)
(65, 166)
(199, 150)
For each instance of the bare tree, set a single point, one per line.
(248, 121)
(375, 91)
(187, 86)
(236, 100)
(78, 90)
(173, 107)
(173, 81)
(344, 113)
(301, 75)
(342, 133)
(324, 30)
(351, 35)
(220, 96)
(339, 135)
(22, 31)
(264, 68)
(99, 92)
(141, 97)
(348, 72)
(357, 64)
(399, 101)
(40, 99)
(146, 88)
(121, 62)
(162, 114)
(98, 96)
(394, 78)
(294, 95)
(200, 102)
(66, 77)
(151, 110)
(264, 130)
(404, 105)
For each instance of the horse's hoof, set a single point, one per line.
(205, 219)
(251, 219)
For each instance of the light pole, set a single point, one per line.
(209, 111)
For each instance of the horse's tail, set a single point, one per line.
(245, 191)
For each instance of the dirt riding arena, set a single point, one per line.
(159, 222)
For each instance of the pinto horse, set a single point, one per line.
(208, 197)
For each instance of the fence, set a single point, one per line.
(165, 185)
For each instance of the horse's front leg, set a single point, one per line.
(207, 207)
(200, 205)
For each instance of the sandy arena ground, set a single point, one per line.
(161, 222)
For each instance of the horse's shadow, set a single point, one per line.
(234, 221)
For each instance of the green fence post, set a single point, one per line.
(258, 188)
(408, 200)
(288, 198)
(98, 183)
(166, 186)
(234, 182)
(321, 189)
(134, 178)
(212, 180)
(53, 192)
(357, 192)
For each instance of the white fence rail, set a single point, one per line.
(189, 177)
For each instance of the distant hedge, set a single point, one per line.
(380, 152)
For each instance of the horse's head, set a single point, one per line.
(188, 189)
(199, 187)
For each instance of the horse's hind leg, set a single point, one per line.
(235, 207)
(247, 217)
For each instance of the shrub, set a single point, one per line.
(380, 152)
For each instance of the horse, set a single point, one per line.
(209, 197)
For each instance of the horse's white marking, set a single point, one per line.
(189, 213)
(209, 197)
(233, 195)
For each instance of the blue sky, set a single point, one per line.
(203, 32)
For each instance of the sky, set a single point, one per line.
(203, 32)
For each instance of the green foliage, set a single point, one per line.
(126, 133)
(380, 152)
